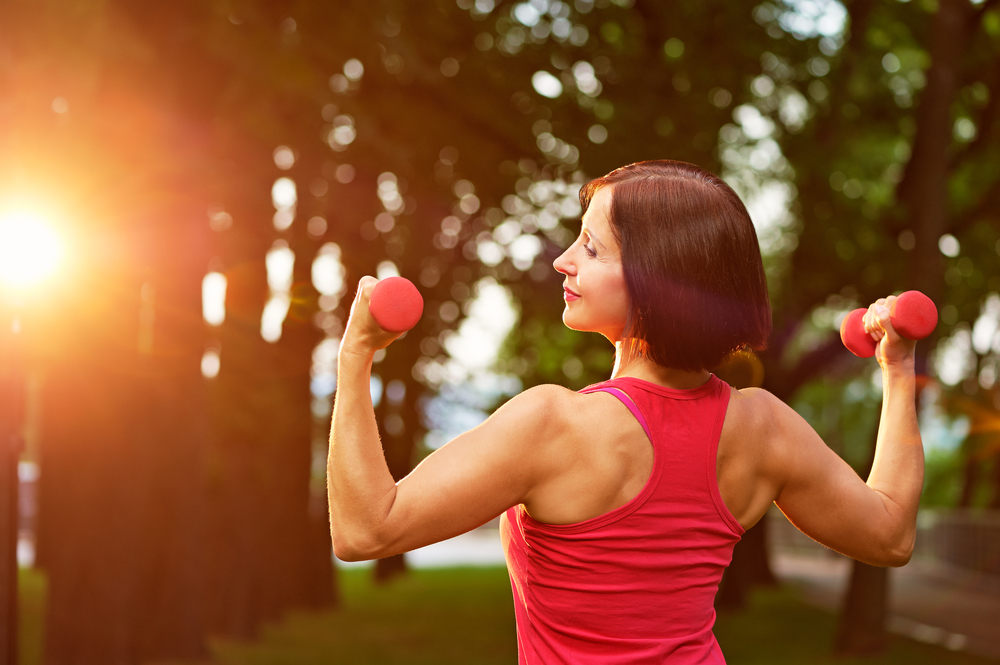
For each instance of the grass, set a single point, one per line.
(438, 616)
(31, 615)
(465, 615)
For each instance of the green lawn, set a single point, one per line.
(432, 617)
(31, 604)
(464, 615)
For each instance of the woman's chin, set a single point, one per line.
(570, 321)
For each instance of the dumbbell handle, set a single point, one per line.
(913, 315)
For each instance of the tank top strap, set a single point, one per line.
(623, 397)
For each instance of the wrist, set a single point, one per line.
(900, 368)
(899, 376)
(355, 353)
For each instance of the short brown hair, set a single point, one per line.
(691, 261)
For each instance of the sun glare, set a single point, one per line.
(30, 249)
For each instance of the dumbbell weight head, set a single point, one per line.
(396, 304)
(914, 315)
(853, 335)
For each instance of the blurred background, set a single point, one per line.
(190, 190)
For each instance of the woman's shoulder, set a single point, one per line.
(757, 413)
(550, 424)
(544, 404)
(556, 408)
(758, 398)
(542, 396)
(764, 405)
(765, 426)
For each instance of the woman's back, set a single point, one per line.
(635, 584)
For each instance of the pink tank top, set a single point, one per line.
(637, 584)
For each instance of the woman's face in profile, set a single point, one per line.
(594, 288)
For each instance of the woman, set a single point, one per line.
(622, 502)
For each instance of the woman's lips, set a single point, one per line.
(570, 295)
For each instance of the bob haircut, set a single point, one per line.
(692, 264)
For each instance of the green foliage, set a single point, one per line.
(844, 410)
(943, 479)
(548, 352)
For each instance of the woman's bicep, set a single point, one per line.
(824, 497)
(473, 478)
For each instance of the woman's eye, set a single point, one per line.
(590, 252)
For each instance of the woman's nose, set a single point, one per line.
(562, 264)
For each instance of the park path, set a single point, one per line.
(928, 601)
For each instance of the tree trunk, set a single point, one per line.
(861, 625)
(995, 498)
(308, 564)
(246, 401)
(122, 435)
(924, 188)
(11, 422)
(270, 546)
(970, 480)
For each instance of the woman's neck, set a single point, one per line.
(640, 367)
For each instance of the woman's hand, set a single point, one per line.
(893, 350)
(363, 335)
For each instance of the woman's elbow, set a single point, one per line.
(353, 548)
(364, 545)
(896, 552)
(346, 552)
(895, 537)
(888, 560)
(900, 555)
(899, 561)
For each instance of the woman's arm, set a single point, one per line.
(457, 488)
(875, 521)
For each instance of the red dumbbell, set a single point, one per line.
(396, 304)
(913, 315)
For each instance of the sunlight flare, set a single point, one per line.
(30, 248)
